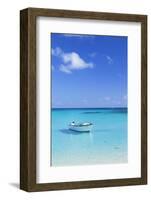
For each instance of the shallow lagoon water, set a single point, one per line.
(105, 144)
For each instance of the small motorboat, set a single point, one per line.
(81, 127)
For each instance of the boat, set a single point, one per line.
(81, 127)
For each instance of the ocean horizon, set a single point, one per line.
(105, 144)
(87, 107)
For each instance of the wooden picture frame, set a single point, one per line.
(28, 98)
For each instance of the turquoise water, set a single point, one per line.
(105, 144)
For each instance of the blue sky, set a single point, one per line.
(88, 71)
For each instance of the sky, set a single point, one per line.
(88, 71)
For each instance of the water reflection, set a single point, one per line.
(67, 131)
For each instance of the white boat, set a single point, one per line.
(81, 127)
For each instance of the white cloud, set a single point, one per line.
(56, 52)
(65, 69)
(80, 36)
(109, 59)
(74, 61)
(71, 61)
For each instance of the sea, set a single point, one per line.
(106, 143)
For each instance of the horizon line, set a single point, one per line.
(86, 107)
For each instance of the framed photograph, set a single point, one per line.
(83, 99)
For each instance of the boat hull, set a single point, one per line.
(81, 129)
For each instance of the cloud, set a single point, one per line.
(65, 69)
(71, 61)
(109, 59)
(56, 52)
(79, 36)
(74, 61)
